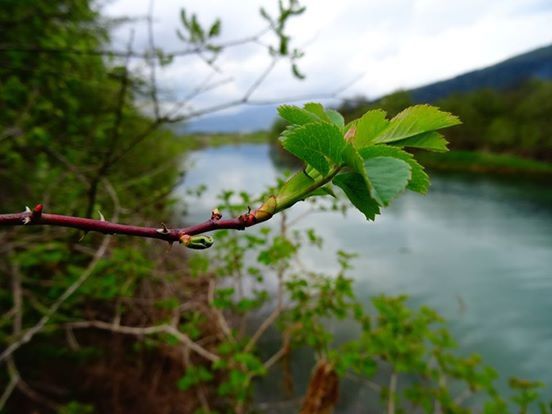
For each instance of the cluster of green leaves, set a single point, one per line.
(278, 25)
(204, 37)
(365, 158)
(199, 36)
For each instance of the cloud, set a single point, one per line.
(394, 44)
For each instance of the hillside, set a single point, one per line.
(509, 73)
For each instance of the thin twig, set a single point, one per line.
(123, 54)
(149, 330)
(392, 393)
(14, 379)
(151, 61)
(223, 324)
(28, 334)
(269, 321)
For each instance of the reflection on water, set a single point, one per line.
(477, 249)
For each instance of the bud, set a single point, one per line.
(198, 242)
(350, 134)
(267, 210)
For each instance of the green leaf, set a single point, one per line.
(193, 376)
(316, 144)
(383, 175)
(317, 109)
(430, 141)
(293, 188)
(388, 177)
(354, 186)
(416, 120)
(296, 72)
(184, 19)
(297, 116)
(196, 30)
(284, 43)
(215, 28)
(419, 181)
(354, 160)
(368, 127)
(336, 118)
(328, 115)
(323, 191)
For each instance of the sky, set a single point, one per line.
(373, 46)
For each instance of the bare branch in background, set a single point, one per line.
(150, 330)
(29, 333)
(152, 61)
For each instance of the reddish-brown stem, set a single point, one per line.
(37, 217)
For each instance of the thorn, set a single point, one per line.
(102, 218)
(83, 236)
(26, 220)
(27, 209)
(169, 247)
(163, 229)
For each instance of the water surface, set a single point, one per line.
(478, 249)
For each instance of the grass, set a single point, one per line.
(197, 141)
(484, 162)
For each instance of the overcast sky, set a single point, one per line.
(391, 44)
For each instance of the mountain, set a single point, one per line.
(506, 74)
(248, 119)
(503, 75)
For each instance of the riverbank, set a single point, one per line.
(198, 141)
(458, 161)
(484, 163)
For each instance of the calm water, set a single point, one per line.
(477, 249)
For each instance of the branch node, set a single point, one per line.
(185, 239)
(37, 212)
(247, 219)
(216, 214)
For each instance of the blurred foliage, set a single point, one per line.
(71, 130)
(514, 121)
(63, 115)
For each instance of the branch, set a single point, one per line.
(271, 206)
(37, 217)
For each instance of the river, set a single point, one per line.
(478, 249)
